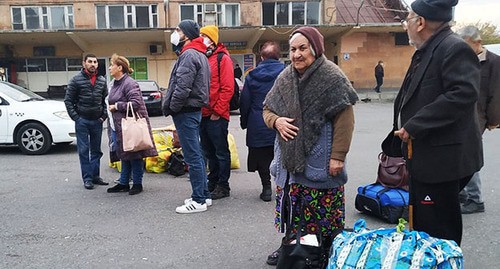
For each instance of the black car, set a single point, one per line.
(152, 95)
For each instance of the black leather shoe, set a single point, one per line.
(88, 185)
(119, 188)
(273, 258)
(136, 188)
(99, 181)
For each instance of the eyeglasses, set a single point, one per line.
(404, 22)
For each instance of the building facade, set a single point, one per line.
(42, 42)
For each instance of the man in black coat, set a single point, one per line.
(435, 117)
(379, 75)
(85, 104)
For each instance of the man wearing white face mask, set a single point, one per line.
(187, 93)
(215, 117)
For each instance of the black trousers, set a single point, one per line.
(436, 208)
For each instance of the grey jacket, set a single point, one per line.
(188, 88)
(488, 104)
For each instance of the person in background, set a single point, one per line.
(488, 109)
(125, 89)
(379, 75)
(85, 104)
(215, 116)
(311, 108)
(259, 138)
(188, 92)
(435, 123)
(237, 72)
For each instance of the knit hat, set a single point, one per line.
(212, 32)
(315, 38)
(190, 28)
(434, 10)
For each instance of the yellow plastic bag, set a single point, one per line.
(117, 165)
(235, 160)
(158, 164)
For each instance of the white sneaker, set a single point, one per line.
(207, 201)
(192, 207)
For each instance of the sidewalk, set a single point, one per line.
(385, 95)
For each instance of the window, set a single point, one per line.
(217, 14)
(291, 13)
(127, 16)
(48, 64)
(42, 17)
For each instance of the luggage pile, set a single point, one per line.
(388, 197)
(170, 158)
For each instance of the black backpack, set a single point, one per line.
(176, 165)
(235, 100)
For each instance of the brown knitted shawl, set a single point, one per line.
(312, 100)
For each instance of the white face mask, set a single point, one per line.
(207, 41)
(175, 38)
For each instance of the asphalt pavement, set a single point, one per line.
(48, 220)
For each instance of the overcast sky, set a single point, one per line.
(471, 11)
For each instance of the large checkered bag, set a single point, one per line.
(392, 249)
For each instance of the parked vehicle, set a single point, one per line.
(495, 48)
(32, 122)
(152, 95)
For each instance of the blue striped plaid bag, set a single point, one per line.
(392, 249)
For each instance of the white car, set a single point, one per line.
(495, 48)
(32, 122)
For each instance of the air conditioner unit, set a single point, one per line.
(155, 49)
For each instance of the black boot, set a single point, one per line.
(119, 188)
(136, 188)
(266, 194)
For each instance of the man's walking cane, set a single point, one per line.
(410, 205)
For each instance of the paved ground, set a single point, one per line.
(48, 220)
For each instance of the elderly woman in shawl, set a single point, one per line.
(311, 108)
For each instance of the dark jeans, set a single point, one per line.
(88, 141)
(380, 81)
(213, 134)
(188, 128)
(436, 208)
(134, 168)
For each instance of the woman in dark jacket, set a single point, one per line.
(260, 139)
(124, 90)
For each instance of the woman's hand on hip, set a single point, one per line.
(112, 108)
(336, 167)
(286, 129)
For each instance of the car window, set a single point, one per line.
(18, 93)
(148, 86)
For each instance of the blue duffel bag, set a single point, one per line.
(392, 249)
(385, 203)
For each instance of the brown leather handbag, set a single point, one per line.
(392, 172)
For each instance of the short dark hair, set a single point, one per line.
(270, 50)
(89, 55)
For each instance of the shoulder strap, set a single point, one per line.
(219, 59)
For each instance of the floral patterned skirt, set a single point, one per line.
(329, 206)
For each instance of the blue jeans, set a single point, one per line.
(88, 142)
(213, 135)
(472, 191)
(188, 128)
(134, 168)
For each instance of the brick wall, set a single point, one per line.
(364, 50)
